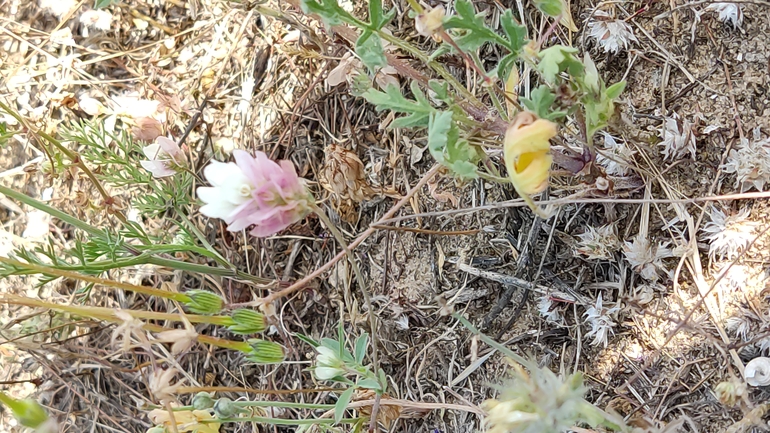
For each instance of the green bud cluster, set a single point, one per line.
(264, 352)
(203, 302)
(247, 322)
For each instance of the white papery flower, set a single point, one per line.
(750, 163)
(598, 243)
(728, 235)
(546, 308)
(601, 324)
(739, 325)
(678, 137)
(618, 155)
(96, 19)
(610, 33)
(647, 258)
(230, 188)
(729, 13)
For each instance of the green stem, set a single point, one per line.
(492, 343)
(491, 91)
(29, 268)
(108, 314)
(139, 259)
(279, 421)
(283, 404)
(361, 284)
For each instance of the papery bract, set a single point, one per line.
(164, 156)
(254, 191)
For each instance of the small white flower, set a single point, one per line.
(601, 324)
(646, 258)
(97, 19)
(678, 137)
(615, 156)
(548, 310)
(180, 339)
(729, 13)
(230, 189)
(610, 33)
(728, 236)
(129, 328)
(598, 243)
(751, 163)
(758, 371)
(328, 364)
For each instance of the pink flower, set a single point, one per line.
(164, 155)
(254, 191)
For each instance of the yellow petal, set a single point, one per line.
(526, 153)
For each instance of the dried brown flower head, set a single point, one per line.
(343, 175)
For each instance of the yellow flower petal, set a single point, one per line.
(527, 153)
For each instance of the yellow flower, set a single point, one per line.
(186, 420)
(527, 153)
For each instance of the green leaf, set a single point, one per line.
(557, 59)
(101, 4)
(447, 148)
(549, 7)
(417, 111)
(441, 89)
(361, 344)
(375, 13)
(517, 34)
(476, 32)
(330, 11)
(368, 384)
(369, 49)
(615, 90)
(342, 404)
(505, 66)
(539, 101)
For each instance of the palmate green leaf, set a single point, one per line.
(517, 34)
(369, 49)
(476, 31)
(557, 59)
(448, 149)
(330, 11)
(540, 102)
(418, 111)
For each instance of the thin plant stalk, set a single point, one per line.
(367, 298)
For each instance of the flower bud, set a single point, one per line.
(225, 408)
(247, 322)
(203, 302)
(265, 352)
(202, 400)
(28, 412)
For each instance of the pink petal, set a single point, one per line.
(169, 146)
(158, 168)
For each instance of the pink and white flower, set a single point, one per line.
(254, 191)
(164, 157)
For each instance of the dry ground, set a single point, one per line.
(704, 71)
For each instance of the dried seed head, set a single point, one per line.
(343, 174)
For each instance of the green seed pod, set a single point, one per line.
(203, 302)
(265, 352)
(247, 322)
(202, 401)
(225, 408)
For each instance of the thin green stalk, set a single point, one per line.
(139, 259)
(262, 403)
(102, 313)
(500, 348)
(279, 421)
(361, 284)
(491, 91)
(46, 270)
